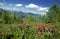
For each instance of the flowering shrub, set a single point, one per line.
(47, 30)
(25, 31)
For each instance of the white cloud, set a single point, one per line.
(39, 8)
(18, 5)
(46, 10)
(32, 6)
(43, 9)
(1, 3)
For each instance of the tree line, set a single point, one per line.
(52, 16)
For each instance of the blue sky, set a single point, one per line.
(34, 6)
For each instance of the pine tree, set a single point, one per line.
(53, 13)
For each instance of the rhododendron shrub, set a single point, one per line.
(27, 31)
(47, 30)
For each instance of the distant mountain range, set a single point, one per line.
(23, 14)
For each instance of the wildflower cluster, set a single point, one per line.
(40, 28)
(25, 30)
(24, 24)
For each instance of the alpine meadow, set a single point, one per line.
(29, 19)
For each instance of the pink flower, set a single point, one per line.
(46, 28)
(39, 33)
(27, 25)
(39, 26)
(20, 25)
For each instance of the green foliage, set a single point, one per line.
(19, 19)
(10, 29)
(13, 31)
(54, 13)
(30, 19)
(8, 17)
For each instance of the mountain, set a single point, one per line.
(23, 14)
